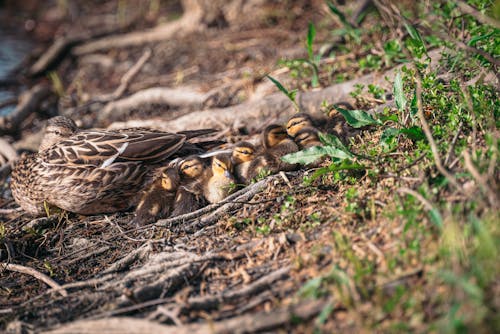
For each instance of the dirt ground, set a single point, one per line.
(257, 262)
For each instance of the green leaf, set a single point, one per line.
(358, 118)
(387, 139)
(436, 218)
(311, 289)
(476, 39)
(415, 133)
(331, 140)
(414, 33)
(335, 167)
(413, 104)
(290, 94)
(314, 153)
(311, 33)
(339, 14)
(325, 313)
(399, 95)
(279, 85)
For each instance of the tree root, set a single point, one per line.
(188, 23)
(251, 323)
(274, 106)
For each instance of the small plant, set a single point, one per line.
(290, 94)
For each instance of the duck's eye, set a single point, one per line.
(57, 132)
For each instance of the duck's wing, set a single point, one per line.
(102, 148)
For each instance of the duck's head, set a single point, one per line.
(222, 166)
(273, 135)
(58, 129)
(170, 179)
(191, 167)
(307, 137)
(297, 122)
(243, 152)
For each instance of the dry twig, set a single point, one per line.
(38, 275)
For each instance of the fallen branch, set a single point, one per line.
(125, 80)
(28, 103)
(174, 97)
(55, 52)
(38, 275)
(251, 323)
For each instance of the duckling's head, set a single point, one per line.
(222, 165)
(170, 179)
(298, 122)
(243, 152)
(307, 137)
(273, 135)
(58, 129)
(191, 167)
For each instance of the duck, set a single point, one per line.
(92, 172)
(189, 195)
(242, 155)
(219, 181)
(157, 200)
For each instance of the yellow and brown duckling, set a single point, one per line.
(297, 122)
(219, 181)
(276, 144)
(189, 196)
(157, 200)
(307, 137)
(242, 156)
(92, 171)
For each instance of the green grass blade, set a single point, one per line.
(311, 33)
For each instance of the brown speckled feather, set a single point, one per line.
(92, 172)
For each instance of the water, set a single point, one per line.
(13, 49)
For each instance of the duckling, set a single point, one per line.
(307, 137)
(157, 201)
(297, 122)
(189, 195)
(242, 156)
(277, 143)
(219, 180)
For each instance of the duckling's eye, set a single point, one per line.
(220, 165)
(57, 132)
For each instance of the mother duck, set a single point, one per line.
(94, 171)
